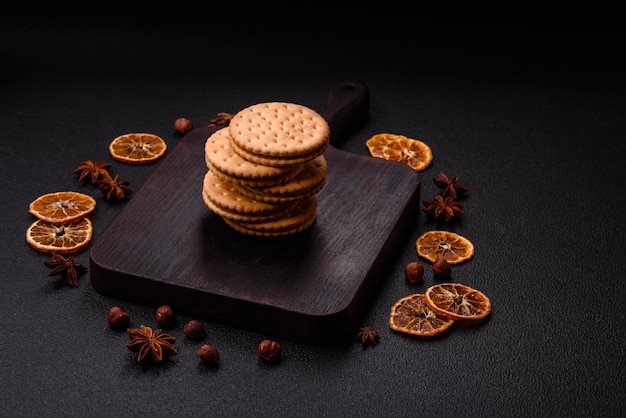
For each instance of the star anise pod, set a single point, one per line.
(65, 267)
(93, 169)
(450, 186)
(441, 208)
(367, 335)
(114, 189)
(151, 345)
(222, 119)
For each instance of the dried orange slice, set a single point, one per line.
(457, 301)
(452, 247)
(412, 152)
(412, 315)
(59, 238)
(62, 207)
(137, 148)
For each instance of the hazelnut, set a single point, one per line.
(183, 125)
(269, 350)
(165, 316)
(442, 268)
(118, 318)
(414, 272)
(209, 356)
(194, 330)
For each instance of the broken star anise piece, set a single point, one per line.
(65, 267)
(92, 169)
(445, 209)
(367, 335)
(114, 189)
(450, 186)
(151, 345)
(222, 119)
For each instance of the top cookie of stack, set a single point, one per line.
(266, 168)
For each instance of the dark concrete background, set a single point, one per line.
(528, 114)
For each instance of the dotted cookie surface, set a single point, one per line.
(279, 129)
(220, 155)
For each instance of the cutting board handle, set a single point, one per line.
(347, 109)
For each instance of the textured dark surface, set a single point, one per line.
(531, 120)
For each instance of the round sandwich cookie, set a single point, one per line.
(307, 183)
(300, 218)
(220, 156)
(279, 133)
(244, 217)
(225, 196)
(256, 182)
(277, 161)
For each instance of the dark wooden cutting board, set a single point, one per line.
(167, 247)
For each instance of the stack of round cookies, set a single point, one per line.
(266, 167)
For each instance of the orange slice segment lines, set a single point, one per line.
(458, 301)
(411, 152)
(59, 238)
(450, 246)
(413, 316)
(62, 207)
(137, 148)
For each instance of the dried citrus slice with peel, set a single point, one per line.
(457, 301)
(450, 246)
(137, 148)
(62, 207)
(412, 315)
(59, 238)
(412, 152)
